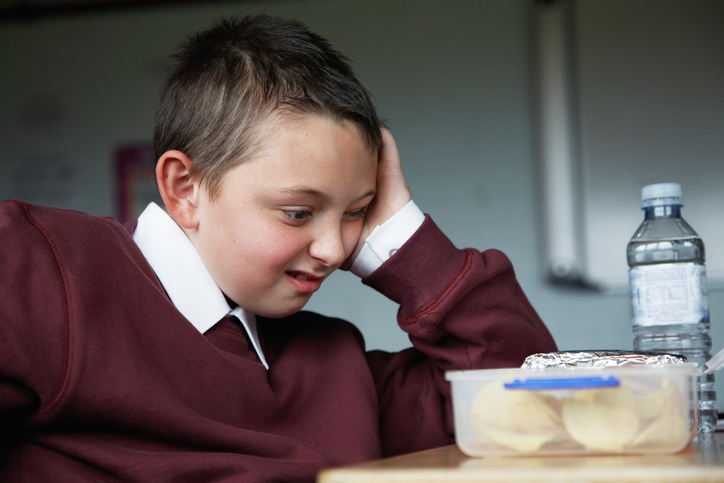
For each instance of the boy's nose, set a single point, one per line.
(327, 247)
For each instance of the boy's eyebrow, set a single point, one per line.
(313, 192)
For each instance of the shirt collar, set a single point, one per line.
(188, 284)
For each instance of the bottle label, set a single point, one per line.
(669, 293)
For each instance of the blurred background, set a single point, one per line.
(528, 126)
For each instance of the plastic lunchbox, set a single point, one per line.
(580, 410)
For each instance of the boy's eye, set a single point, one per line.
(357, 214)
(298, 215)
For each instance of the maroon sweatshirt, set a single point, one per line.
(102, 378)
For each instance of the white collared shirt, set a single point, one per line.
(188, 283)
(196, 295)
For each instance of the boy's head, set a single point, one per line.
(267, 159)
(231, 81)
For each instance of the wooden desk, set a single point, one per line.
(701, 461)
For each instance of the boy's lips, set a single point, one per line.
(304, 282)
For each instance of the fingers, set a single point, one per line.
(393, 192)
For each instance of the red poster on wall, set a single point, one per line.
(135, 180)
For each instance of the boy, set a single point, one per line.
(175, 348)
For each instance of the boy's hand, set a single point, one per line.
(392, 195)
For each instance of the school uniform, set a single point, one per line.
(110, 372)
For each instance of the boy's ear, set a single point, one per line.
(178, 190)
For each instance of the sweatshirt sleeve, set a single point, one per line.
(34, 316)
(463, 309)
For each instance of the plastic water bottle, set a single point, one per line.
(667, 277)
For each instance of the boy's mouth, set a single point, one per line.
(304, 282)
(303, 275)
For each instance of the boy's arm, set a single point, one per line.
(463, 309)
(443, 291)
(34, 347)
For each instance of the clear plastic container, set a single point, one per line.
(667, 275)
(582, 410)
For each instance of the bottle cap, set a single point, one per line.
(661, 194)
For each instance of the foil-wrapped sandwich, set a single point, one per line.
(599, 359)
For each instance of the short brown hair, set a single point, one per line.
(229, 79)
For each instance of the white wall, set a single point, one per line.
(453, 79)
(652, 102)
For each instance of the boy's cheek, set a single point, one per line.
(351, 247)
(354, 237)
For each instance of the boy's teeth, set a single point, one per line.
(299, 276)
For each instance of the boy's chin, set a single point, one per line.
(281, 312)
